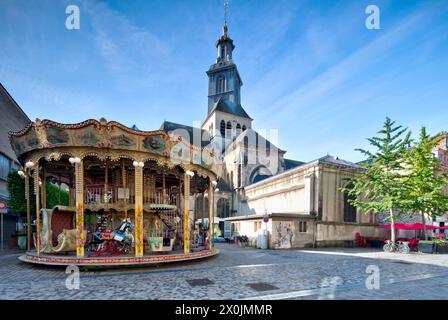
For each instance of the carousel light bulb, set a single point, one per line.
(214, 183)
(29, 164)
(141, 164)
(217, 189)
(190, 173)
(21, 173)
(135, 164)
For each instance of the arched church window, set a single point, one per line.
(238, 128)
(229, 129)
(221, 84)
(223, 128)
(223, 208)
(223, 52)
(244, 127)
(349, 209)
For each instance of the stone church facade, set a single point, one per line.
(301, 201)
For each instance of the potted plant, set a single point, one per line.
(426, 246)
(441, 246)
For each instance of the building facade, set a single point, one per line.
(12, 118)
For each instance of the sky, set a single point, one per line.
(311, 69)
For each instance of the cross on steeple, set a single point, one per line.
(224, 29)
(226, 3)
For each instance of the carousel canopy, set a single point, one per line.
(92, 134)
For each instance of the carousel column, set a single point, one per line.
(79, 203)
(28, 213)
(36, 192)
(138, 208)
(44, 187)
(211, 200)
(188, 175)
(164, 199)
(203, 218)
(193, 236)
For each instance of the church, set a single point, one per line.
(296, 204)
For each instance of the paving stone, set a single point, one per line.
(296, 274)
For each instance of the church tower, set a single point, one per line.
(225, 114)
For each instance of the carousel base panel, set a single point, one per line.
(115, 261)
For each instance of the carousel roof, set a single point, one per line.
(94, 134)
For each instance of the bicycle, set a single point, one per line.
(400, 246)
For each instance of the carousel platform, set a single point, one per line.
(114, 261)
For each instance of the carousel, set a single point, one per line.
(130, 195)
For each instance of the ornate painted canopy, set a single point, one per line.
(105, 139)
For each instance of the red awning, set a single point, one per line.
(419, 226)
(415, 226)
(402, 226)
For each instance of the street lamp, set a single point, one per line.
(137, 164)
(26, 175)
(74, 160)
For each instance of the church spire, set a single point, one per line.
(225, 43)
(224, 28)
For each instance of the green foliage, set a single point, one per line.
(439, 242)
(424, 183)
(379, 187)
(17, 201)
(16, 189)
(55, 196)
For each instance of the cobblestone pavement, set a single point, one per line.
(292, 274)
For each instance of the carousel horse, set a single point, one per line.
(115, 242)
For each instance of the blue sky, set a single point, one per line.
(310, 68)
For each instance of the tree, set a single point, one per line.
(379, 187)
(17, 201)
(16, 189)
(424, 183)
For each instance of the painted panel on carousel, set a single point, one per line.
(57, 136)
(88, 136)
(154, 143)
(26, 142)
(121, 139)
